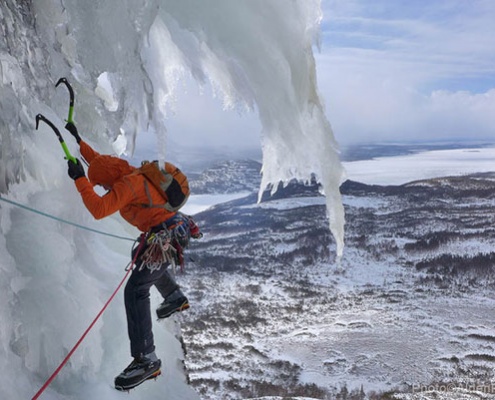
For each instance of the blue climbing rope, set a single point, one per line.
(63, 220)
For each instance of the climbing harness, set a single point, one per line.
(167, 241)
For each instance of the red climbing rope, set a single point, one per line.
(66, 359)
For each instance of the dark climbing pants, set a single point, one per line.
(137, 305)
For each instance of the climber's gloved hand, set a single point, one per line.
(73, 131)
(76, 169)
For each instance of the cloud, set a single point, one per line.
(362, 107)
(408, 70)
(428, 42)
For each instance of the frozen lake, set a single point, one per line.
(389, 171)
(430, 164)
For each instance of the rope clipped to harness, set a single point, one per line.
(165, 244)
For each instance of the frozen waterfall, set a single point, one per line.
(125, 59)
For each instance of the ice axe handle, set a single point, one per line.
(67, 153)
(41, 117)
(71, 94)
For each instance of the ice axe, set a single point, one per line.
(41, 117)
(71, 94)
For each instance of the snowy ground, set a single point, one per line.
(384, 335)
(381, 331)
(201, 202)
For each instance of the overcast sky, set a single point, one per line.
(388, 70)
(405, 70)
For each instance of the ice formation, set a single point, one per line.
(125, 59)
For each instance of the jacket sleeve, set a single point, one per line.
(103, 206)
(87, 151)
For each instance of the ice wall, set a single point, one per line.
(259, 54)
(256, 54)
(125, 59)
(54, 278)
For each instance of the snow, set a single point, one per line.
(201, 202)
(430, 164)
(380, 331)
(282, 398)
(360, 202)
(105, 92)
(125, 60)
(287, 204)
(366, 342)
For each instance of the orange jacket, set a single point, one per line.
(127, 194)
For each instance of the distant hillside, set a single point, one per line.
(410, 304)
(235, 176)
(231, 176)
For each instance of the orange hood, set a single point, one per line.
(106, 170)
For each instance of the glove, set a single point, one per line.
(73, 131)
(76, 170)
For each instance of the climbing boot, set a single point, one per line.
(176, 302)
(138, 371)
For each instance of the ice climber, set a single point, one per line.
(129, 194)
